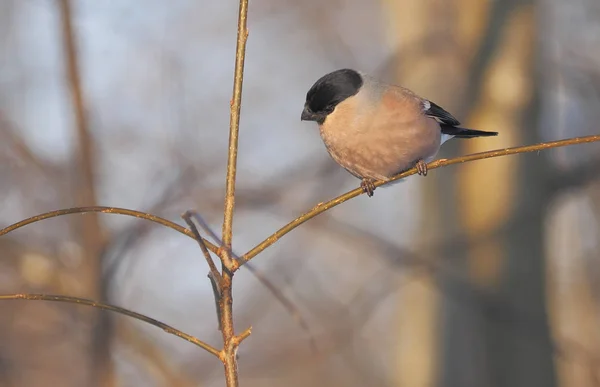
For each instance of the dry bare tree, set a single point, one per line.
(464, 306)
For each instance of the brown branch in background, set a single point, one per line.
(82, 301)
(91, 232)
(134, 234)
(86, 186)
(322, 207)
(107, 210)
(22, 150)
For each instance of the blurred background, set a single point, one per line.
(482, 274)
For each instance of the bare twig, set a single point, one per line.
(287, 304)
(230, 340)
(107, 210)
(213, 275)
(216, 288)
(322, 207)
(242, 336)
(228, 354)
(200, 220)
(234, 126)
(214, 272)
(116, 309)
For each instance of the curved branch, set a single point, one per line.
(107, 210)
(322, 207)
(116, 309)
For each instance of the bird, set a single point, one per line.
(376, 130)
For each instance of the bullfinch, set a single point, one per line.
(377, 130)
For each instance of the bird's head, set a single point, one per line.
(328, 92)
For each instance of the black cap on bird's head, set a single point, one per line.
(328, 92)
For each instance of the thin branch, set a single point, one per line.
(216, 288)
(107, 210)
(214, 276)
(322, 207)
(229, 352)
(116, 309)
(234, 124)
(242, 336)
(200, 220)
(211, 264)
(287, 304)
(230, 342)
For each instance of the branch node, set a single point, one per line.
(242, 336)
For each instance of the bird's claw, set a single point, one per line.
(367, 186)
(421, 167)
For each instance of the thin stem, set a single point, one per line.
(322, 207)
(287, 304)
(116, 309)
(214, 276)
(206, 228)
(216, 288)
(211, 264)
(107, 210)
(228, 354)
(230, 344)
(234, 126)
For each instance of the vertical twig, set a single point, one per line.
(230, 340)
(213, 275)
(287, 304)
(234, 123)
(187, 217)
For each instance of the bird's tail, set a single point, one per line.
(464, 133)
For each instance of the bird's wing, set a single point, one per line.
(433, 110)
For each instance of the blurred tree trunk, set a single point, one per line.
(494, 325)
(426, 62)
(570, 82)
(514, 338)
(511, 344)
(88, 226)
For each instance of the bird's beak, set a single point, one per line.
(307, 115)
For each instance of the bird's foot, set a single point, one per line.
(421, 167)
(367, 186)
